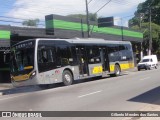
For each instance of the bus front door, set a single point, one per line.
(82, 60)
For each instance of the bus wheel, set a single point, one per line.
(117, 70)
(67, 78)
(156, 67)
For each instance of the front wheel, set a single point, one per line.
(67, 78)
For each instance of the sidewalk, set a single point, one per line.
(5, 86)
(148, 107)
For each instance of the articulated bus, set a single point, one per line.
(48, 61)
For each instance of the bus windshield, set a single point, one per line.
(22, 60)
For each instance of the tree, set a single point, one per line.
(141, 19)
(143, 11)
(31, 22)
(155, 36)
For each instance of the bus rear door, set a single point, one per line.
(104, 58)
(82, 60)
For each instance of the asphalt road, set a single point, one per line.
(130, 92)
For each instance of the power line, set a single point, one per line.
(116, 1)
(103, 6)
(96, 2)
(90, 1)
(120, 2)
(95, 5)
(35, 10)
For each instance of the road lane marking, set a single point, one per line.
(145, 78)
(89, 94)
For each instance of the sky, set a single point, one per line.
(20, 10)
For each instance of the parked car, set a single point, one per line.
(148, 62)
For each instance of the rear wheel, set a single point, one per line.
(67, 78)
(156, 67)
(149, 68)
(117, 71)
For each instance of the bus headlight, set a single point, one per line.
(33, 74)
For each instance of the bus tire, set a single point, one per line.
(117, 70)
(149, 68)
(67, 78)
(156, 67)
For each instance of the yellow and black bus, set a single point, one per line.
(48, 61)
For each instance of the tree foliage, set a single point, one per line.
(143, 12)
(31, 22)
(141, 22)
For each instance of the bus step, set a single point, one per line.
(84, 75)
(105, 74)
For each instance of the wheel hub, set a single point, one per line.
(67, 77)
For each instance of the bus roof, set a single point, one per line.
(83, 40)
(96, 41)
(88, 40)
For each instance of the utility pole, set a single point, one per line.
(140, 26)
(82, 28)
(150, 33)
(122, 29)
(87, 19)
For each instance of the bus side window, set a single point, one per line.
(113, 51)
(74, 56)
(42, 56)
(64, 56)
(46, 58)
(93, 54)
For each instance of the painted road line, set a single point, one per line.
(145, 78)
(89, 94)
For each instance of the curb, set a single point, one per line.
(4, 86)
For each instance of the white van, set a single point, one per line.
(148, 62)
